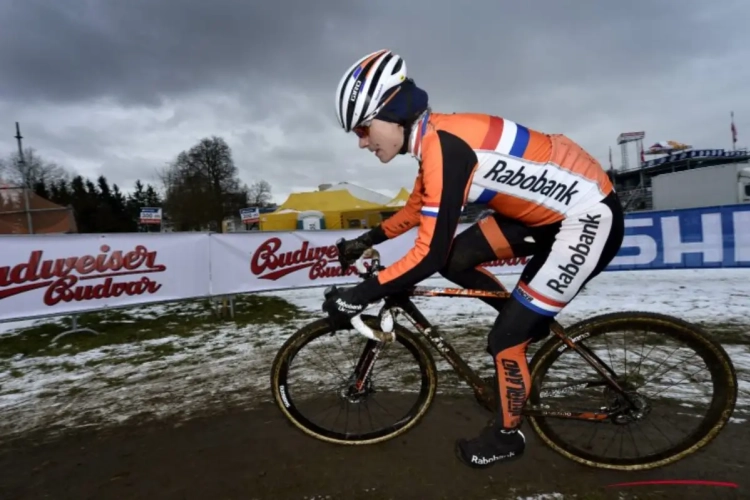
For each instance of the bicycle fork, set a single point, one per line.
(364, 366)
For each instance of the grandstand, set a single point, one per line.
(634, 184)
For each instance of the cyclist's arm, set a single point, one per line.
(403, 220)
(409, 215)
(448, 163)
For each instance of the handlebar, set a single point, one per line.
(386, 333)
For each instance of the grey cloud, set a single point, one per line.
(143, 50)
(121, 87)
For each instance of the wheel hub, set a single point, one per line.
(352, 394)
(639, 409)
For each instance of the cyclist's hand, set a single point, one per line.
(353, 249)
(342, 304)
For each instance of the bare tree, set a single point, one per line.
(202, 186)
(259, 194)
(33, 171)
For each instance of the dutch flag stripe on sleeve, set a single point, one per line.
(430, 209)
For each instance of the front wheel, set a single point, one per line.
(682, 382)
(381, 391)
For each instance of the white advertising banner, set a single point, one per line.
(260, 261)
(59, 274)
(63, 274)
(249, 262)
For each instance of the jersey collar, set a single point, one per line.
(418, 131)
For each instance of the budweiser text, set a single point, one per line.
(271, 264)
(61, 275)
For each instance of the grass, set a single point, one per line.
(728, 333)
(182, 319)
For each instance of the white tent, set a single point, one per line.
(359, 192)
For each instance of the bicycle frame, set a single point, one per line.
(484, 392)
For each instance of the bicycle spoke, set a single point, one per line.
(653, 395)
(384, 399)
(661, 377)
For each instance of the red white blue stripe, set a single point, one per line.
(433, 209)
(419, 131)
(513, 142)
(536, 301)
(430, 210)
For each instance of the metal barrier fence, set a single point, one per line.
(44, 276)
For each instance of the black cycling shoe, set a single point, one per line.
(492, 446)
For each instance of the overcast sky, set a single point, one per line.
(120, 88)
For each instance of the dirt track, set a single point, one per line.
(256, 455)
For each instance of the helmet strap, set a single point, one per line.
(407, 137)
(408, 123)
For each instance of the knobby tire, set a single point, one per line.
(321, 327)
(720, 365)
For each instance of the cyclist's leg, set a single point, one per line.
(493, 237)
(582, 247)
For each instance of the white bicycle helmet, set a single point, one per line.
(360, 93)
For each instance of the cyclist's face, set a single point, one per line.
(382, 138)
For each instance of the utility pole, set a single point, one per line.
(22, 170)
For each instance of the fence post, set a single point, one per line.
(74, 328)
(223, 304)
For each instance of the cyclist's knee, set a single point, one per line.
(456, 264)
(446, 272)
(516, 324)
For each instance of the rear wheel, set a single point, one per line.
(309, 398)
(657, 385)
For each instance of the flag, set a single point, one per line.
(734, 131)
(643, 155)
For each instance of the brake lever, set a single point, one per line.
(373, 334)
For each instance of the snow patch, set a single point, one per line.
(230, 365)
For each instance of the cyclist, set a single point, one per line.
(551, 201)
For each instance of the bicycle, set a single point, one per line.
(626, 407)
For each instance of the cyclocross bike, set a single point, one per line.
(624, 406)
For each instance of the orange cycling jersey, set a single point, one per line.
(535, 178)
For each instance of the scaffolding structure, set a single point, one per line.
(24, 212)
(627, 138)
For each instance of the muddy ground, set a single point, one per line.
(256, 454)
(209, 432)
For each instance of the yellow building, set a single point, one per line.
(400, 199)
(335, 208)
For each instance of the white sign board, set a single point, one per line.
(58, 274)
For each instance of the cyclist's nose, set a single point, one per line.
(364, 142)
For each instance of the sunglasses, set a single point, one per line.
(362, 130)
